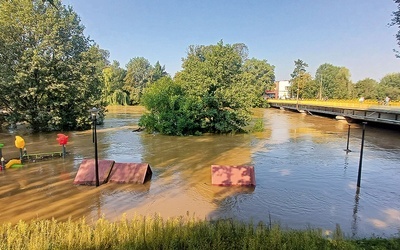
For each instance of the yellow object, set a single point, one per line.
(19, 142)
(12, 162)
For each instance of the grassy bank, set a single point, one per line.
(156, 233)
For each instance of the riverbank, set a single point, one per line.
(174, 233)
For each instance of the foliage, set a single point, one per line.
(299, 68)
(311, 88)
(157, 72)
(127, 86)
(366, 88)
(242, 50)
(211, 76)
(172, 112)
(300, 80)
(50, 73)
(258, 125)
(113, 77)
(213, 93)
(138, 75)
(344, 85)
(174, 233)
(305, 84)
(396, 22)
(334, 81)
(390, 86)
(257, 75)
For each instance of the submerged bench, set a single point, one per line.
(224, 175)
(111, 171)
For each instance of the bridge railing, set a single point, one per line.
(340, 103)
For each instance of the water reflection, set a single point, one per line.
(303, 175)
(354, 225)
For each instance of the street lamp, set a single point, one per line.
(297, 98)
(93, 114)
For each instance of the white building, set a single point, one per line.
(281, 90)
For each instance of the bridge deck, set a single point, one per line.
(356, 111)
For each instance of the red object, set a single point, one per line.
(112, 171)
(62, 139)
(86, 173)
(130, 173)
(233, 175)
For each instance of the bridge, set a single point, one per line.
(352, 111)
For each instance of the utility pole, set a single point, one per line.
(320, 88)
(297, 99)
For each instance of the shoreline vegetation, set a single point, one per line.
(175, 233)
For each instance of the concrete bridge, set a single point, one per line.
(351, 111)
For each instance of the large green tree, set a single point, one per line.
(208, 95)
(367, 88)
(390, 86)
(171, 110)
(113, 77)
(309, 88)
(157, 72)
(300, 79)
(257, 75)
(334, 81)
(50, 73)
(138, 75)
(211, 74)
(344, 85)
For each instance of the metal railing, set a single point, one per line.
(367, 104)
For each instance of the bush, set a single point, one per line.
(171, 111)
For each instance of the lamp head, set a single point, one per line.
(94, 112)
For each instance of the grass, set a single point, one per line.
(176, 233)
(258, 125)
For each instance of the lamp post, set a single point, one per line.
(361, 156)
(348, 138)
(93, 114)
(320, 88)
(297, 98)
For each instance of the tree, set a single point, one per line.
(113, 76)
(299, 68)
(309, 88)
(300, 78)
(138, 75)
(334, 81)
(50, 73)
(396, 22)
(257, 75)
(344, 85)
(366, 88)
(211, 74)
(172, 112)
(242, 50)
(206, 96)
(157, 72)
(390, 86)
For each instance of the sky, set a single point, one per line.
(351, 33)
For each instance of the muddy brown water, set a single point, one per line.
(304, 177)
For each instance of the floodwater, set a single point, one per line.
(304, 177)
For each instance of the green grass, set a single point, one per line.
(258, 125)
(178, 233)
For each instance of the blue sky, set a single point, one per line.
(350, 33)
